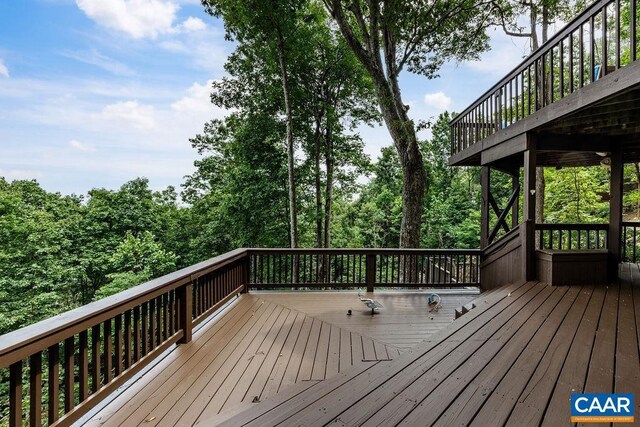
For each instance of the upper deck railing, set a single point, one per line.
(600, 40)
(54, 371)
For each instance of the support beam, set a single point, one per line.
(485, 180)
(515, 209)
(529, 211)
(615, 213)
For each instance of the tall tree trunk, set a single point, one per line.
(329, 187)
(293, 212)
(316, 140)
(403, 134)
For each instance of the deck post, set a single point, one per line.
(246, 269)
(615, 213)
(370, 269)
(529, 211)
(485, 181)
(515, 209)
(185, 310)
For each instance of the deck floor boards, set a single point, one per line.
(404, 321)
(513, 360)
(253, 349)
(298, 359)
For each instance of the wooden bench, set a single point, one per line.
(572, 267)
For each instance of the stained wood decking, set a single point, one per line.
(514, 360)
(260, 346)
(405, 321)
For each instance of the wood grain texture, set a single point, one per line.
(513, 360)
(252, 350)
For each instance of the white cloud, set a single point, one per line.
(137, 18)
(94, 57)
(437, 100)
(4, 71)
(198, 99)
(192, 24)
(77, 145)
(505, 54)
(129, 113)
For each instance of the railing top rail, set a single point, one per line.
(572, 226)
(95, 312)
(363, 251)
(579, 20)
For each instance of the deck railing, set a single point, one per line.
(370, 268)
(571, 236)
(597, 42)
(630, 242)
(60, 368)
(55, 371)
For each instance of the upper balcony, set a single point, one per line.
(581, 86)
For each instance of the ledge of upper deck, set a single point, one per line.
(583, 105)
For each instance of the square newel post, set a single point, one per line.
(529, 212)
(185, 311)
(615, 214)
(370, 271)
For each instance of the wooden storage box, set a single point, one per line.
(569, 267)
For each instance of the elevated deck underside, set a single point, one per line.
(513, 360)
(268, 344)
(602, 116)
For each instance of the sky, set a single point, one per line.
(94, 93)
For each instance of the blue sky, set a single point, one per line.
(96, 92)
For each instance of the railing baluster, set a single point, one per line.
(633, 32)
(15, 394)
(83, 366)
(107, 351)
(592, 49)
(605, 49)
(144, 321)
(53, 354)
(69, 399)
(127, 339)
(118, 344)
(95, 358)
(35, 389)
(158, 333)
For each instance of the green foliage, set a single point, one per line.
(576, 195)
(136, 260)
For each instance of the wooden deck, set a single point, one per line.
(263, 344)
(404, 322)
(514, 360)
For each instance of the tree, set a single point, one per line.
(268, 26)
(339, 96)
(387, 36)
(238, 193)
(137, 259)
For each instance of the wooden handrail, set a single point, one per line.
(73, 321)
(572, 226)
(88, 352)
(108, 341)
(367, 267)
(527, 89)
(364, 251)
